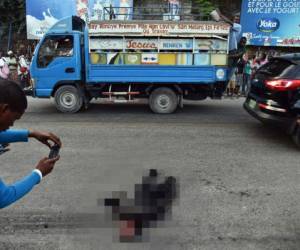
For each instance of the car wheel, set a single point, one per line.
(163, 101)
(68, 99)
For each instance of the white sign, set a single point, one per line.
(149, 58)
(106, 44)
(155, 44)
(210, 44)
(142, 44)
(159, 29)
(176, 44)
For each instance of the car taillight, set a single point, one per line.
(282, 84)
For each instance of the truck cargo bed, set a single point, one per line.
(151, 74)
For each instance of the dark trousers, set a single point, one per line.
(245, 86)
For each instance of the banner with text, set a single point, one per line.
(158, 29)
(271, 22)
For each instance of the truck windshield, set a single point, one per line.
(53, 47)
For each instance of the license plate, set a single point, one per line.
(252, 103)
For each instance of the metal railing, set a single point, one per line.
(151, 13)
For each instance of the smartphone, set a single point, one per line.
(54, 151)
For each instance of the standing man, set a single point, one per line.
(240, 75)
(23, 71)
(237, 43)
(173, 9)
(235, 30)
(236, 55)
(13, 104)
(124, 10)
(174, 6)
(235, 33)
(12, 64)
(247, 76)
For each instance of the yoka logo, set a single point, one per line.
(268, 24)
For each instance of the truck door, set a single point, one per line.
(58, 60)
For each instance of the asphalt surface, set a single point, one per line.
(239, 180)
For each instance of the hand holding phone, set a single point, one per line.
(54, 151)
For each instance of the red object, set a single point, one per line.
(282, 84)
(269, 107)
(23, 69)
(127, 228)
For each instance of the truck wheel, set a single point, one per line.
(296, 136)
(68, 99)
(163, 101)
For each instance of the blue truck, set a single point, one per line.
(126, 61)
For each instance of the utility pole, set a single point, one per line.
(9, 36)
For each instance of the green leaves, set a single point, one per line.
(13, 12)
(203, 7)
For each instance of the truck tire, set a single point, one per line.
(163, 101)
(68, 99)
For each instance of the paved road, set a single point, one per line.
(239, 181)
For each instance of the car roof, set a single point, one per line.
(293, 57)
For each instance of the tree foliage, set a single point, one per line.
(203, 7)
(13, 12)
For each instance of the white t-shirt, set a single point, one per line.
(22, 63)
(176, 2)
(4, 69)
(12, 63)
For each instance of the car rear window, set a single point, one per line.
(277, 68)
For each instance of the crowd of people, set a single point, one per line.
(247, 65)
(15, 67)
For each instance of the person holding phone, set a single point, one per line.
(13, 104)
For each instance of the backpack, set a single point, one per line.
(4, 69)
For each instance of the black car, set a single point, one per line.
(274, 96)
